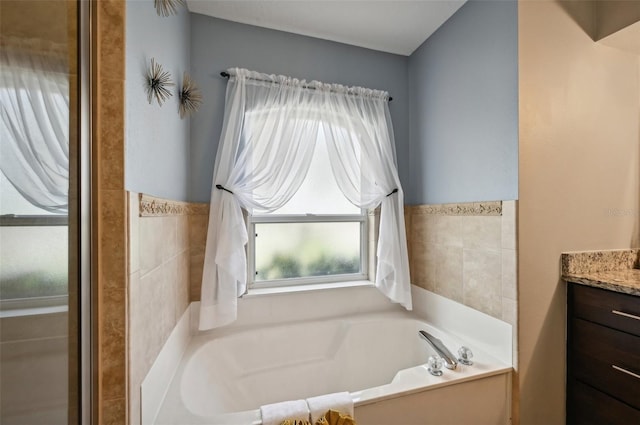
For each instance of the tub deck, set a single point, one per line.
(225, 375)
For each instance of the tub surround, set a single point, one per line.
(476, 237)
(467, 253)
(615, 270)
(166, 254)
(159, 282)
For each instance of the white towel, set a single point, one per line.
(318, 406)
(276, 413)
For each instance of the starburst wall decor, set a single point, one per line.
(167, 7)
(190, 97)
(157, 82)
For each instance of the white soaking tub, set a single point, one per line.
(225, 375)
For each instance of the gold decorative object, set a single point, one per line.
(190, 97)
(157, 82)
(168, 7)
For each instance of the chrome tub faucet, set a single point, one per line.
(449, 360)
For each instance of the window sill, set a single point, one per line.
(33, 306)
(258, 292)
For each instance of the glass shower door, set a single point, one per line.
(41, 254)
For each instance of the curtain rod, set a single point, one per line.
(225, 74)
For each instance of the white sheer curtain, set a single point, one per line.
(34, 123)
(269, 133)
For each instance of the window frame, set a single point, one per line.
(34, 220)
(252, 220)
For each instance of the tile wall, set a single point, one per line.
(467, 253)
(159, 281)
(198, 225)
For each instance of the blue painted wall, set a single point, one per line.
(455, 107)
(463, 84)
(156, 139)
(218, 44)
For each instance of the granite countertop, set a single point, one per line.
(612, 270)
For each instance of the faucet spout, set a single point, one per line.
(449, 360)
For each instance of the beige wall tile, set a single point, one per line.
(448, 230)
(423, 267)
(134, 310)
(509, 224)
(138, 333)
(509, 311)
(423, 230)
(196, 265)
(198, 225)
(155, 300)
(150, 244)
(509, 274)
(182, 233)
(482, 281)
(133, 232)
(181, 283)
(449, 269)
(169, 235)
(167, 307)
(482, 232)
(158, 241)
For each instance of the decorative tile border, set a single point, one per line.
(489, 208)
(151, 206)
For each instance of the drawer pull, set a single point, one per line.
(622, 313)
(625, 371)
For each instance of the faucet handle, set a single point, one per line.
(465, 356)
(435, 364)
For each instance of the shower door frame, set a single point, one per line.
(86, 404)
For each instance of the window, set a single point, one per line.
(317, 237)
(271, 134)
(33, 252)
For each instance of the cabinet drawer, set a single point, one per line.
(607, 359)
(618, 311)
(586, 405)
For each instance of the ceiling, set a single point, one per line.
(399, 26)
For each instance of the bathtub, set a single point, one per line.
(225, 375)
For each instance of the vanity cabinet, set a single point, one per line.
(603, 356)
